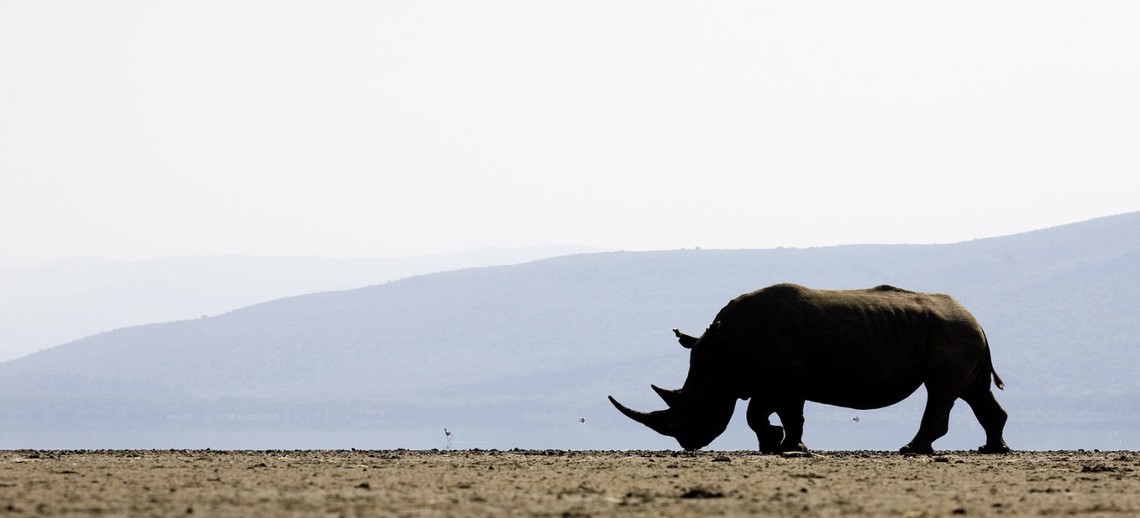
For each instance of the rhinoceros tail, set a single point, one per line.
(997, 379)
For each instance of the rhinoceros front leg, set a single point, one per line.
(767, 434)
(792, 417)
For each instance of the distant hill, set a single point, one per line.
(68, 299)
(516, 356)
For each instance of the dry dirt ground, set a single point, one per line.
(561, 483)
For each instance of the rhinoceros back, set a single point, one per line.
(855, 348)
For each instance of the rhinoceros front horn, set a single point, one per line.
(658, 420)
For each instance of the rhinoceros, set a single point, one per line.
(787, 344)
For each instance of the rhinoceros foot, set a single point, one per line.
(994, 448)
(799, 447)
(917, 449)
(770, 437)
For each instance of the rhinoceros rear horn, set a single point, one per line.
(658, 420)
(671, 397)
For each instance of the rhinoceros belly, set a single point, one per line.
(861, 395)
(862, 381)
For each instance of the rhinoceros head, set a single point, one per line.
(698, 412)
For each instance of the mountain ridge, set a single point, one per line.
(68, 299)
(523, 349)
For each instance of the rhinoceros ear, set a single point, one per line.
(686, 341)
(658, 421)
(671, 397)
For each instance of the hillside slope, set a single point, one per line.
(515, 355)
(64, 300)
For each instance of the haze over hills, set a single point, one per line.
(516, 356)
(68, 299)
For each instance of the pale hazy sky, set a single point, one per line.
(134, 130)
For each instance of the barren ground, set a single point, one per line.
(561, 483)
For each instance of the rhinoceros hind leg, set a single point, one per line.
(990, 415)
(935, 423)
